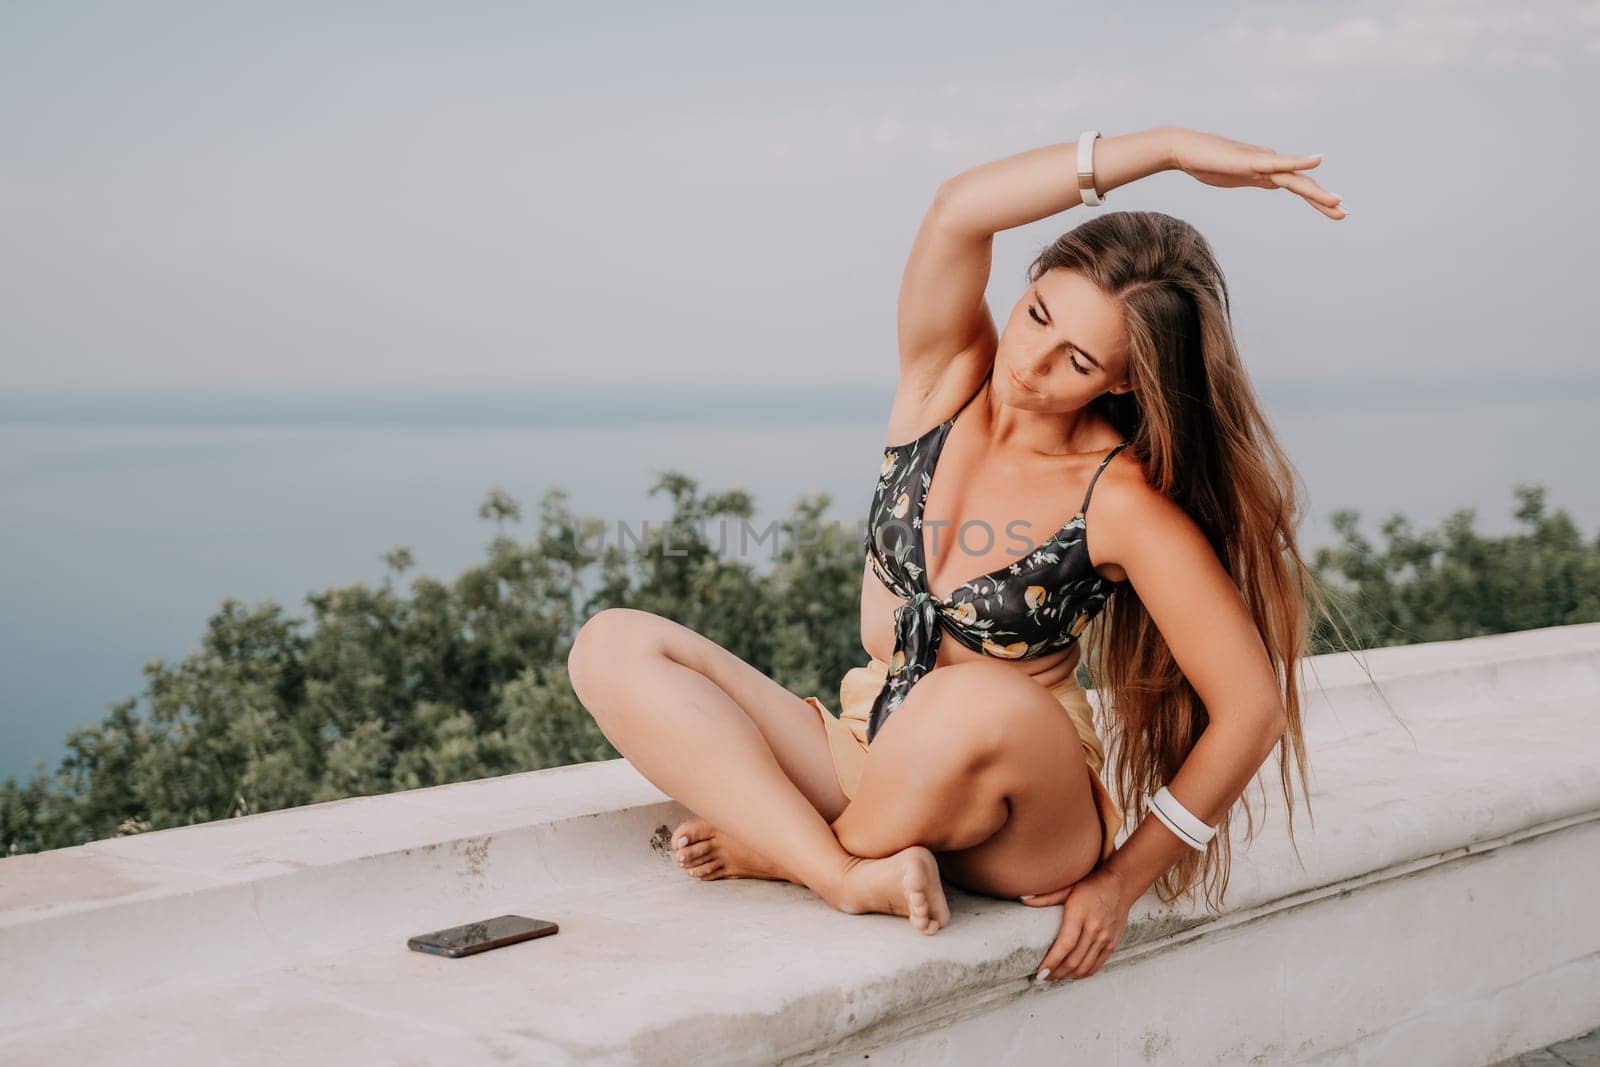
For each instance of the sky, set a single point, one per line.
(355, 196)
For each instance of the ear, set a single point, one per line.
(1124, 386)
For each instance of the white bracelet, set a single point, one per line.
(1086, 191)
(1181, 821)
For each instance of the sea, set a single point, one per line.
(127, 516)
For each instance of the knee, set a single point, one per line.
(980, 711)
(607, 638)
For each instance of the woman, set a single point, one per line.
(1116, 380)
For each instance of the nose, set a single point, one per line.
(1034, 369)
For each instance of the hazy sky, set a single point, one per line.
(509, 193)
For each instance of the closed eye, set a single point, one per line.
(1079, 367)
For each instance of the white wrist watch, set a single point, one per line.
(1086, 141)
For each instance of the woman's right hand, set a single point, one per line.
(1230, 164)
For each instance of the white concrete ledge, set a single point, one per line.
(1443, 913)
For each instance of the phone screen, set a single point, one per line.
(482, 935)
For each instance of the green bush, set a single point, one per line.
(388, 688)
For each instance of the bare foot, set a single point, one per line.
(711, 854)
(906, 883)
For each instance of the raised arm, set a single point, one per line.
(946, 333)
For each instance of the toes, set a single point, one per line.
(696, 853)
(930, 911)
(938, 905)
(699, 841)
(693, 829)
(706, 869)
(925, 907)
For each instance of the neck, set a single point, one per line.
(1024, 434)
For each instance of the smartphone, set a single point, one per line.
(481, 936)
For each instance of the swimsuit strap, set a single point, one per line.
(1090, 491)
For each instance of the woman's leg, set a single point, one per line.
(694, 719)
(984, 766)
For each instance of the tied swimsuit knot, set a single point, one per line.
(919, 608)
(916, 648)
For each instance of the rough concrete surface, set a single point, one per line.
(1440, 911)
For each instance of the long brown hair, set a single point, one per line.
(1198, 429)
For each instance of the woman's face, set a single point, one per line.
(1063, 345)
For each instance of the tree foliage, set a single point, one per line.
(1453, 582)
(415, 683)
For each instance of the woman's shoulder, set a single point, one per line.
(1128, 507)
(1124, 480)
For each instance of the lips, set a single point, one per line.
(1018, 381)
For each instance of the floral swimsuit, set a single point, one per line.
(1036, 605)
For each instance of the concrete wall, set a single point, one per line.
(1439, 912)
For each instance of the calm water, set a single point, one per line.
(119, 540)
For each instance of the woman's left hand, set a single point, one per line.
(1230, 164)
(1092, 921)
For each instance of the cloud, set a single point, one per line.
(1425, 33)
